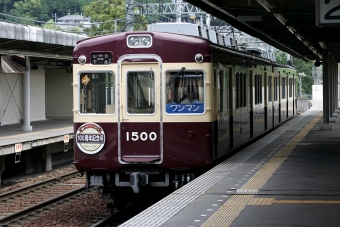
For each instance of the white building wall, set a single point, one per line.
(58, 93)
(11, 113)
(38, 94)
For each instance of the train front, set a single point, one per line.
(142, 109)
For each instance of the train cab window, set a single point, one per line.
(97, 93)
(184, 92)
(270, 90)
(141, 92)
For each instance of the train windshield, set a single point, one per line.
(185, 92)
(97, 93)
(141, 92)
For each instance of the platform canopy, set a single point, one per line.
(37, 43)
(301, 28)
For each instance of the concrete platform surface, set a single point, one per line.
(287, 178)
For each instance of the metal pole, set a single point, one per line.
(115, 26)
(178, 9)
(207, 20)
(129, 16)
(26, 93)
(325, 85)
(335, 85)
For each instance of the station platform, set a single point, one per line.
(44, 132)
(287, 178)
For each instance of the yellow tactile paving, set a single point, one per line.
(261, 201)
(271, 201)
(225, 215)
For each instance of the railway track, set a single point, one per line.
(21, 202)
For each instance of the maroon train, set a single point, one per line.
(151, 108)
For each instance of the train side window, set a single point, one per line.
(275, 88)
(220, 87)
(227, 83)
(260, 90)
(141, 92)
(256, 89)
(185, 92)
(270, 95)
(244, 90)
(290, 87)
(283, 88)
(97, 93)
(238, 89)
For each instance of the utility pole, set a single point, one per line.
(179, 9)
(129, 16)
(207, 20)
(55, 17)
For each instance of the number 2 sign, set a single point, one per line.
(327, 12)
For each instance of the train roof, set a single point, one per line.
(171, 47)
(184, 38)
(214, 37)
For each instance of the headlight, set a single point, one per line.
(133, 41)
(139, 41)
(82, 59)
(146, 40)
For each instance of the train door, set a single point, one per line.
(140, 125)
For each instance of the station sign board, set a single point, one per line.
(327, 12)
(63, 63)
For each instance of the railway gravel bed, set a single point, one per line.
(23, 200)
(83, 210)
(23, 181)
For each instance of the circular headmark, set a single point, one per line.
(90, 138)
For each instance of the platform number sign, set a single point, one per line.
(327, 12)
(18, 147)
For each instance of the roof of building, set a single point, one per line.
(73, 17)
(299, 28)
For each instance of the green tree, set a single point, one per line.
(40, 10)
(6, 6)
(301, 67)
(50, 25)
(307, 80)
(104, 12)
(30, 9)
(281, 57)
